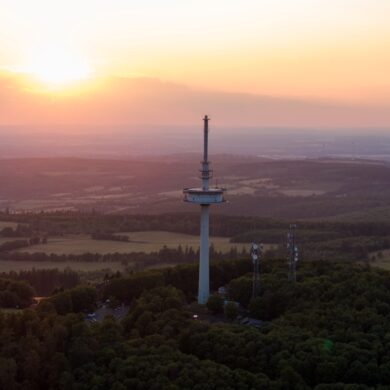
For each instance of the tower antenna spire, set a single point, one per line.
(206, 173)
(206, 139)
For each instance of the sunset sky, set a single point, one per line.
(330, 53)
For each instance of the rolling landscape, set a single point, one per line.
(299, 189)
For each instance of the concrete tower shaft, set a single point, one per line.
(204, 261)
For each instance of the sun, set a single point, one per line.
(56, 66)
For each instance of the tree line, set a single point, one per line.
(45, 281)
(133, 260)
(19, 244)
(55, 223)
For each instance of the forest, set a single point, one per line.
(44, 281)
(329, 330)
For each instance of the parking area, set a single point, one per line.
(104, 310)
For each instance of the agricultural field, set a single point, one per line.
(365, 215)
(147, 242)
(16, 266)
(6, 239)
(5, 224)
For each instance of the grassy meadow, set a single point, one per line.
(5, 224)
(147, 242)
(7, 239)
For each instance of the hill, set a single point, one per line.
(299, 189)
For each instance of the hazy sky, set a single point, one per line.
(333, 50)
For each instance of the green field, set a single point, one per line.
(4, 224)
(7, 266)
(146, 242)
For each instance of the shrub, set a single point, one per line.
(215, 304)
(231, 310)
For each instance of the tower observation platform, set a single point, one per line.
(204, 196)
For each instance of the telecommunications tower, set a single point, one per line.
(293, 254)
(204, 196)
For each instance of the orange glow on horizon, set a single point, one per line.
(328, 51)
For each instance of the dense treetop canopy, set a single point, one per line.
(329, 330)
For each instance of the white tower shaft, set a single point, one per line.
(204, 266)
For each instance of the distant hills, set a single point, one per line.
(298, 189)
(134, 101)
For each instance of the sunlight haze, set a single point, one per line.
(320, 52)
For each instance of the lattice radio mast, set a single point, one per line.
(256, 252)
(293, 254)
